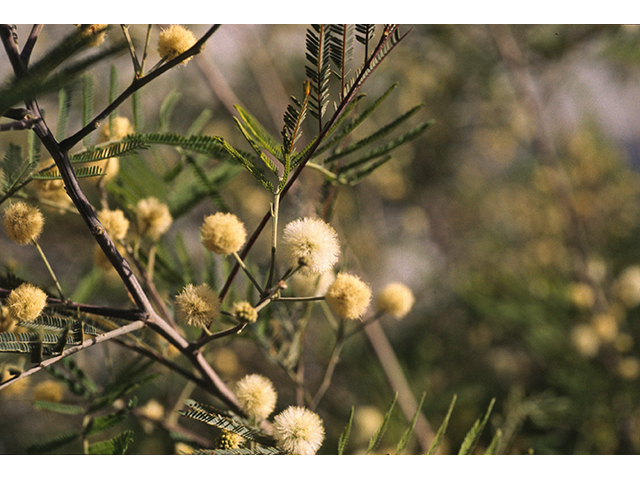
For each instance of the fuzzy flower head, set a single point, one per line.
(175, 40)
(95, 30)
(312, 243)
(256, 395)
(23, 223)
(348, 296)
(197, 305)
(153, 218)
(26, 302)
(115, 223)
(244, 312)
(298, 431)
(223, 233)
(396, 299)
(115, 129)
(49, 391)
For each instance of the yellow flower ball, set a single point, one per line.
(223, 233)
(396, 299)
(348, 296)
(23, 223)
(175, 40)
(26, 302)
(197, 305)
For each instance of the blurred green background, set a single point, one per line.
(515, 220)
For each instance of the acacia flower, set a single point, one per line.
(223, 233)
(256, 395)
(96, 30)
(348, 296)
(244, 312)
(23, 223)
(197, 305)
(312, 243)
(6, 320)
(298, 431)
(115, 129)
(114, 222)
(153, 217)
(26, 302)
(49, 391)
(396, 299)
(175, 40)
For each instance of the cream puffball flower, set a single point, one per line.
(396, 299)
(348, 296)
(153, 217)
(223, 233)
(256, 395)
(197, 305)
(115, 129)
(311, 243)
(175, 40)
(114, 222)
(23, 223)
(26, 302)
(298, 431)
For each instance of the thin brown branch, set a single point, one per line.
(103, 337)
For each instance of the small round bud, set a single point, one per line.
(26, 302)
(23, 223)
(175, 40)
(256, 395)
(348, 296)
(229, 440)
(115, 223)
(197, 305)
(396, 299)
(244, 312)
(312, 243)
(298, 431)
(153, 218)
(223, 233)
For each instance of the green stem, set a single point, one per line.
(48, 265)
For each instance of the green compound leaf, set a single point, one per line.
(443, 428)
(471, 440)
(56, 442)
(116, 446)
(344, 436)
(63, 408)
(215, 418)
(375, 440)
(113, 149)
(257, 450)
(100, 424)
(495, 443)
(405, 438)
(82, 172)
(259, 134)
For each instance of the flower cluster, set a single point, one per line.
(23, 223)
(311, 244)
(153, 218)
(175, 40)
(26, 302)
(348, 296)
(244, 312)
(223, 233)
(298, 431)
(197, 305)
(396, 299)
(256, 395)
